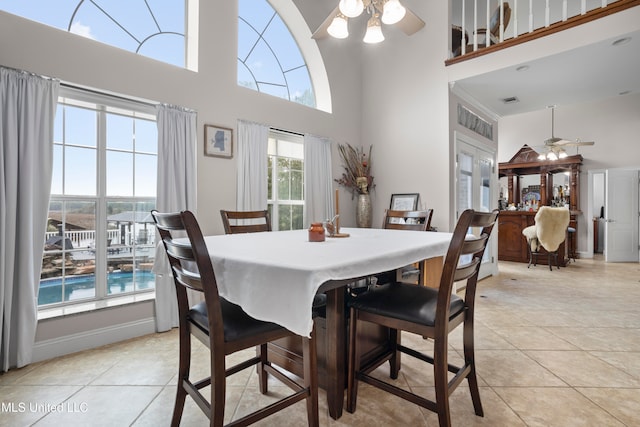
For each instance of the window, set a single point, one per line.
(286, 180)
(100, 236)
(269, 59)
(152, 28)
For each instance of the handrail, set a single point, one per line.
(568, 22)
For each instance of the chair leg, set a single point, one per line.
(469, 359)
(549, 261)
(441, 381)
(218, 389)
(394, 362)
(309, 354)
(183, 373)
(353, 365)
(263, 376)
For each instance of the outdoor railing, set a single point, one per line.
(87, 238)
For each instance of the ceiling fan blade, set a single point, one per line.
(321, 32)
(554, 140)
(577, 143)
(411, 23)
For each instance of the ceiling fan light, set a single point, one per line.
(351, 8)
(551, 156)
(562, 154)
(339, 28)
(374, 31)
(542, 157)
(393, 12)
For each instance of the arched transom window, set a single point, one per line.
(269, 59)
(153, 28)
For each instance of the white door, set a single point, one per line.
(476, 189)
(621, 216)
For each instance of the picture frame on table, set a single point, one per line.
(404, 202)
(218, 141)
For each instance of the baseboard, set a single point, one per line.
(68, 344)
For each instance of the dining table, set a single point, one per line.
(274, 277)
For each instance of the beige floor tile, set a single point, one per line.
(155, 368)
(377, 408)
(513, 368)
(581, 369)
(628, 361)
(103, 406)
(74, 369)
(600, 339)
(496, 411)
(24, 405)
(555, 406)
(619, 402)
(532, 338)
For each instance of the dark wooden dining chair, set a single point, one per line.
(428, 312)
(406, 220)
(245, 221)
(224, 328)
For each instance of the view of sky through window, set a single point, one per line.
(153, 28)
(269, 59)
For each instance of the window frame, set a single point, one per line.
(274, 202)
(102, 104)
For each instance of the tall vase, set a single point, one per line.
(364, 211)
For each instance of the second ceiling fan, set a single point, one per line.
(555, 146)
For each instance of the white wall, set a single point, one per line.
(405, 114)
(614, 125)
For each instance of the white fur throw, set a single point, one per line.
(551, 226)
(532, 237)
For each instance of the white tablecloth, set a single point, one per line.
(273, 276)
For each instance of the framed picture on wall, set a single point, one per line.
(404, 202)
(218, 141)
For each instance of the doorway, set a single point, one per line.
(613, 208)
(476, 183)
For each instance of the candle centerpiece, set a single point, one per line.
(333, 225)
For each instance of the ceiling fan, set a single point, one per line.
(555, 146)
(390, 12)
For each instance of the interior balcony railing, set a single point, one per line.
(479, 27)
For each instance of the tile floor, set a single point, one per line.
(559, 348)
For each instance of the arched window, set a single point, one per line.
(269, 58)
(153, 28)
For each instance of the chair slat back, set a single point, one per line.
(407, 220)
(245, 221)
(190, 262)
(464, 244)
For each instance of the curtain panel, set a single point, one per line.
(27, 114)
(318, 185)
(177, 141)
(253, 138)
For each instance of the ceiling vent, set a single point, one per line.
(510, 100)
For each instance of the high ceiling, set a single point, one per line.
(598, 71)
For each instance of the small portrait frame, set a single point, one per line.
(218, 141)
(404, 202)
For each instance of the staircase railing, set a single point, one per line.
(479, 27)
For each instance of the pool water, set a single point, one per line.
(84, 286)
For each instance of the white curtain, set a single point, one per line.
(27, 113)
(318, 185)
(177, 142)
(252, 166)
